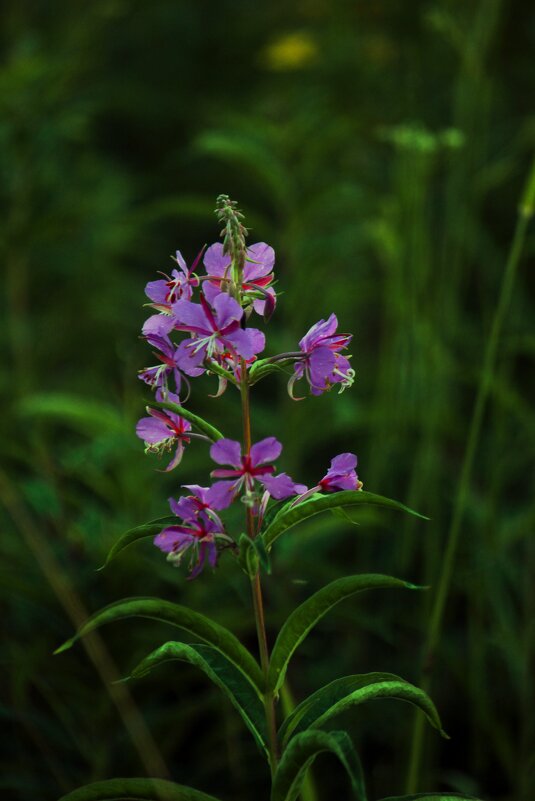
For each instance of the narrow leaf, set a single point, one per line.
(290, 516)
(136, 790)
(149, 529)
(305, 617)
(195, 623)
(223, 673)
(348, 691)
(301, 753)
(206, 428)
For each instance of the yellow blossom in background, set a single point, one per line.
(291, 51)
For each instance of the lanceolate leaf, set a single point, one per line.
(342, 693)
(210, 431)
(136, 790)
(301, 753)
(201, 626)
(305, 617)
(432, 797)
(290, 516)
(223, 673)
(149, 529)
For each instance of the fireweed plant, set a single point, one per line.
(203, 321)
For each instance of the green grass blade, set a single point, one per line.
(194, 622)
(305, 617)
(223, 673)
(348, 691)
(131, 536)
(301, 753)
(290, 515)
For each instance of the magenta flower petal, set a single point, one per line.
(260, 305)
(215, 261)
(262, 258)
(222, 494)
(189, 360)
(173, 538)
(267, 450)
(247, 342)
(210, 291)
(191, 316)
(157, 291)
(321, 364)
(226, 451)
(227, 310)
(159, 325)
(320, 330)
(152, 431)
(282, 486)
(343, 462)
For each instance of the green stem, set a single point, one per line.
(437, 613)
(256, 587)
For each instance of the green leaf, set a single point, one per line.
(252, 554)
(289, 517)
(195, 623)
(223, 673)
(305, 617)
(348, 691)
(136, 790)
(432, 797)
(301, 753)
(149, 529)
(211, 432)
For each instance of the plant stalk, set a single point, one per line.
(434, 631)
(256, 587)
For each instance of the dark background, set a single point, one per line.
(381, 148)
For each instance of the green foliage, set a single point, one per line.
(290, 515)
(193, 622)
(219, 670)
(300, 622)
(138, 533)
(301, 753)
(385, 168)
(136, 790)
(340, 694)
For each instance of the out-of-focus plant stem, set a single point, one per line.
(525, 212)
(256, 586)
(133, 721)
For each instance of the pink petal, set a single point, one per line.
(267, 450)
(226, 451)
(215, 261)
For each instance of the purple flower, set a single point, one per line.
(178, 286)
(199, 534)
(246, 469)
(257, 275)
(282, 486)
(158, 377)
(216, 329)
(340, 476)
(202, 499)
(322, 363)
(164, 430)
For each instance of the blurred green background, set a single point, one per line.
(381, 148)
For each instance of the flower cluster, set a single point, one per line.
(199, 325)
